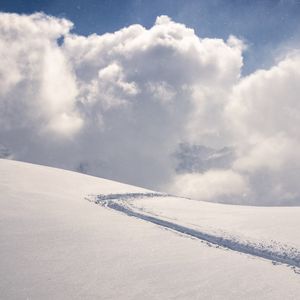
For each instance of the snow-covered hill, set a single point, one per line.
(56, 243)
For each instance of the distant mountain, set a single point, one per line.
(199, 158)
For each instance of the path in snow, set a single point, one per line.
(275, 252)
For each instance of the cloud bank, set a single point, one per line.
(158, 107)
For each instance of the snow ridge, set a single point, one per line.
(276, 252)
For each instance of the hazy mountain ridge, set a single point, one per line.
(200, 158)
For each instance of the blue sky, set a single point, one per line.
(268, 26)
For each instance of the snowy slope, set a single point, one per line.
(55, 244)
(273, 231)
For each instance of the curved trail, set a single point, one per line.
(282, 254)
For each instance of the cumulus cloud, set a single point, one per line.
(119, 105)
(219, 185)
(37, 86)
(264, 120)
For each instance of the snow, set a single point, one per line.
(55, 244)
(274, 251)
(267, 225)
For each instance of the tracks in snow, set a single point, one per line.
(275, 252)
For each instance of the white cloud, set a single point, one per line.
(264, 120)
(38, 89)
(213, 185)
(118, 105)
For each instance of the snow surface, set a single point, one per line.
(54, 244)
(271, 229)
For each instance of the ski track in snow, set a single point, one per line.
(274, 251)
